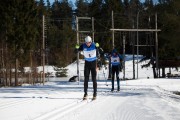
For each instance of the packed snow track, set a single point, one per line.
(61, 100)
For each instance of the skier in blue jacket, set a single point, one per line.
(116, 60)
(91, 52)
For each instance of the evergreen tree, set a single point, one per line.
(61, 35)
(169, 24)
(20, 21)
(82, 8)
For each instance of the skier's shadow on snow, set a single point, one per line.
(122, 93)
(127, 94)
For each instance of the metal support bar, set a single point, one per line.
(84, 31)
(143, 45)
(135, 30)
(84, 18)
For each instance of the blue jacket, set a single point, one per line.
(90, 53)
(115, 58)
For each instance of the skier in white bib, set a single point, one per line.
(116, 60)
(91, 51)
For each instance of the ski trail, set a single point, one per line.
(101, 97)
(67, 109)
(169, 96)
(59, 112)
(14, 103)
(131, 103)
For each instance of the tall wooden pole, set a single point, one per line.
(157, 62)
(77, 34)
(43, 50)
(137, 41)
(124, 48)
(112, 30)
(93, 28)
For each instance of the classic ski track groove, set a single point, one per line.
(60, 112)
(13, 103)
(165, 93)
(54, 114)
(168, 96)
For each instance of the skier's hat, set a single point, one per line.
(114, 51)
(88, 39)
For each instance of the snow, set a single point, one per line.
(39, 69)
(58, 99)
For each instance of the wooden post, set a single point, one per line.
(43, 50)
(112, 30)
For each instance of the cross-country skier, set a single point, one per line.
(91, 51)
(116, 60)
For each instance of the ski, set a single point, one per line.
(89, 99)
(85, 98)
(94, 98)
(115, 91)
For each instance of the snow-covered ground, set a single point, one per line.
(58, 99)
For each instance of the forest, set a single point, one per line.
(23, 42)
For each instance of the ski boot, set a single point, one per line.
(118, 89)
(94, 97)
(85, 97)
(112, 90)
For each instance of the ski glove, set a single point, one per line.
(77, 46)
(97, 45)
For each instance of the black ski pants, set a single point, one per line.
(115, 70)
(90, 67)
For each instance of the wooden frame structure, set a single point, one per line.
(78, 40)
(139, 30)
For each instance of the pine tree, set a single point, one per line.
(169, 24)
(60, 34)
(20, 21)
